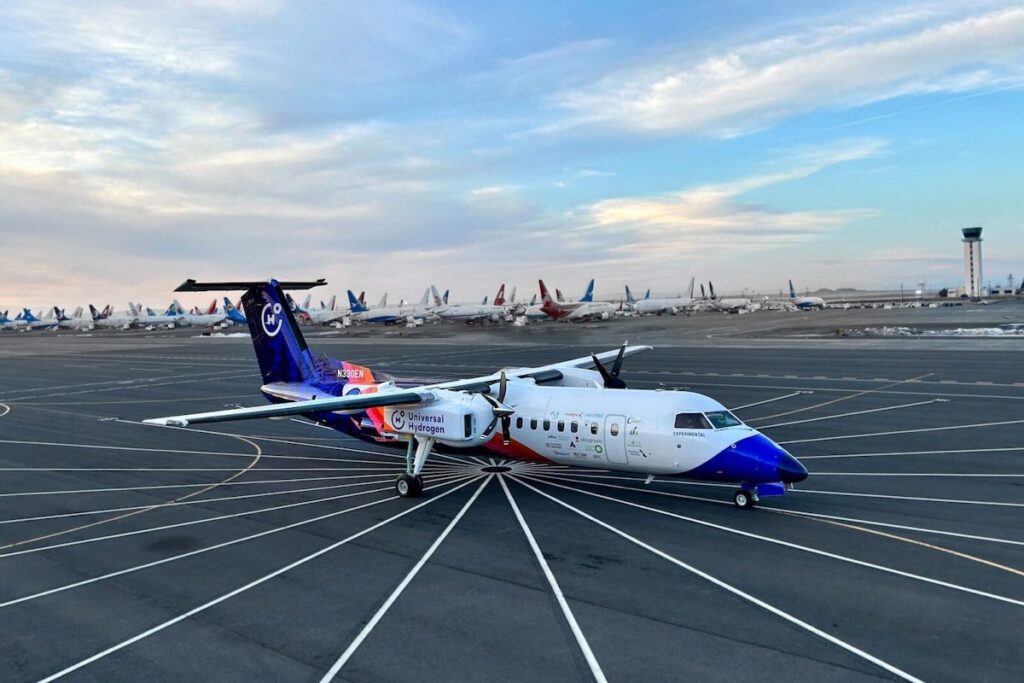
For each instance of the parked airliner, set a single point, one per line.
(672, 305)
(577, 412)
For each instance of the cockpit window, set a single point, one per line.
(692, 421)
(723, 418)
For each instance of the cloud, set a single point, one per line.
(708, 217)
(742, 88)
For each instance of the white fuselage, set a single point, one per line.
(201, 319)
(670, 305)
(471, 312)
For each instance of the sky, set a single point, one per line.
(391, 145)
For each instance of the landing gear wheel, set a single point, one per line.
(409, 486)
(744, 499)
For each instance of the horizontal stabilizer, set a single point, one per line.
(191, 285)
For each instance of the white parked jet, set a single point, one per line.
(197, 318)
(729, 305)
(471, 312)
(672, 305)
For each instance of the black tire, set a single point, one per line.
(408, 486)
(743, 499)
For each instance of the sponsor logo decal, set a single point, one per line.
(271, 319)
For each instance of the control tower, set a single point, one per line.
(972, 261)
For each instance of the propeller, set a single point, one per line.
(501, 411)
(611, 379)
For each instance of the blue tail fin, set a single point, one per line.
(589, 295)
(792, 292)
(629, 296)
(354, 305)
(280, 347)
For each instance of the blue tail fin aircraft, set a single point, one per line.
(524, 413)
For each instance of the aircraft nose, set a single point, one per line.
(790, 469)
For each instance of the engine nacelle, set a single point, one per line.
(579, 377)
(456, 419)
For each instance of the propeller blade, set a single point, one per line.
(601, 369)
(502, 387)
(617, 366)
(506, 425)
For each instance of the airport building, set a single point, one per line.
(972, 262)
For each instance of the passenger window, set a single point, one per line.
(573, 427)
(533, 424)
(692, 421)
(561, 426)
(593, 428)
(615, 429)
(547, 425)
(723, 418)
(519, 423)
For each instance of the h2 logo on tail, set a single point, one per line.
(271, 319)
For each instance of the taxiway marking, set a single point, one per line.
(252, 584)
(581, 639)
(732, 589)
(370, 625)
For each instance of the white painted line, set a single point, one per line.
(242, 589)
(190, 486)
(914, 498)
(771, 400)
(878, 455)
(914, 474)
(172, 451)
(200, 501)
(218, 546)
(794, 546)
(905, 431)
(732, 589)
(178, 525)
(581, 640)
(370, 625)
(856, 412)
(799, 513)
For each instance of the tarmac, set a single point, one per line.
(277, 550)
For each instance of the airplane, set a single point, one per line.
(665, 305)
(576, 412)
(533, 310)
(198, 318)
(630, 299)
(390, 314)
(109, 319)
(326, 314)
(26, 319)
(471, 312)
(584, 309)
(76, 322)
(233, 314)
(805, 303)
(732, 305)
(149, 317)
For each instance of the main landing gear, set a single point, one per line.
(410, 484)
(745, 499)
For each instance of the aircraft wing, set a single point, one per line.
(352, 402)
(540, 374)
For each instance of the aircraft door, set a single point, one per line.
(615, 439)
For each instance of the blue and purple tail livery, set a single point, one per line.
(280, 347)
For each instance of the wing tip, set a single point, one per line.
(166, 422)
